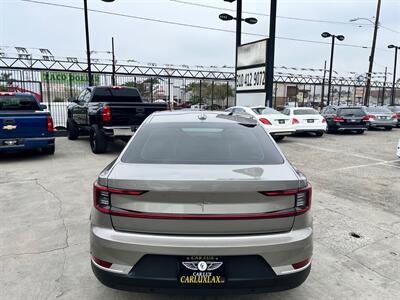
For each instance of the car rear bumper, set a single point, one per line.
(311, 128)
(159, 283)
(382, 123)
(25, 143)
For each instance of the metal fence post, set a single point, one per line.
(212, 94)
(48, 91)
(151, 89)
(227, 93)
(201, 100)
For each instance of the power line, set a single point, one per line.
(283, 17)
(191, 25)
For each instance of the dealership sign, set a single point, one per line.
(68, 78)
(250, 73)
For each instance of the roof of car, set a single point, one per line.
(188, 116)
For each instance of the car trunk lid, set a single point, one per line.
(192, 199)
(23, 124)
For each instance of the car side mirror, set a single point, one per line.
(43, 106)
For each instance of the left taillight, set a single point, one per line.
(295, 121)
(50, 125)
(302, 198)
(106, 114)
(102, 196)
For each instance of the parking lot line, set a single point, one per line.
(385, 163)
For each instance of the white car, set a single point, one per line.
(276, 124)
(306, 119)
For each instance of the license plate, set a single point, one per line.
(201, 270)
(10, 142)
(310, 121)
(352, 120)
(382, 118)
(123, 132)
(281, 121)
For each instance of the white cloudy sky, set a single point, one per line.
(62, 30)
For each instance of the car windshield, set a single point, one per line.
(109, 94)
(199, 143)
(377, 110)
(18, 103)
(305, 111)
(265, 111)
(355, 112)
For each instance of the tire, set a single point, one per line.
(360, 131)
(49, 150)
(278, 137)
(319, 133)
(388, 128)
(72, 129)
(98, 140)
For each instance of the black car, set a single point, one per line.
(396, 110)
(345, 118)
(105, 112)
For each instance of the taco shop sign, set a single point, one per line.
(68, 78)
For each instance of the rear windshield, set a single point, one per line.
(199, 143)
(265, 111)
(109, 94)
(305, 111)
(383, 110)
(355, 112)
(18, 103)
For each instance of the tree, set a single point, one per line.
(207, 92)
(145, 88)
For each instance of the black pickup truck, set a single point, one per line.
(107, 112)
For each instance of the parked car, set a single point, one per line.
(106, 112)
(24, 124)
(396, 111)
(276, 123)
(345, 118)
(201, 202)
(380, 116)
(306, 119)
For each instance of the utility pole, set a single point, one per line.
(238, 37)
(392, 101)
(269, 69)
(371, 57)
(89, 64)
(113, 62)
(323, 87)
(383, 89)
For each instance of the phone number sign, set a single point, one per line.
(250, 79)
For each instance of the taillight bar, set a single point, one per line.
(50, 125)
(106, 114)
(102, 202)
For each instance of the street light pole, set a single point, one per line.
(238, 24)
(89, 67)
(396, 48)
(269, 69)
(340, 38)
(330, 70)
(371, 57)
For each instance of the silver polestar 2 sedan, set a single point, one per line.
(201, 202)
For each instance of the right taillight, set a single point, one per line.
(106, 114)
(302, 198)
(265, 121)
(295, 121)
(323, 120)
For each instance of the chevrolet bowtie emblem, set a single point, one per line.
(9, 127)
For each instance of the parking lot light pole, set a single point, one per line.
(396, 48)
(340, 38)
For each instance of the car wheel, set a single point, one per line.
(278, 137)
(49, 150)
(98, 140)
(319, 133)
(388, 128)
(360, 131)
(72, 129)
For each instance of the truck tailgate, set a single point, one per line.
(129, 114)
(23, 124)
